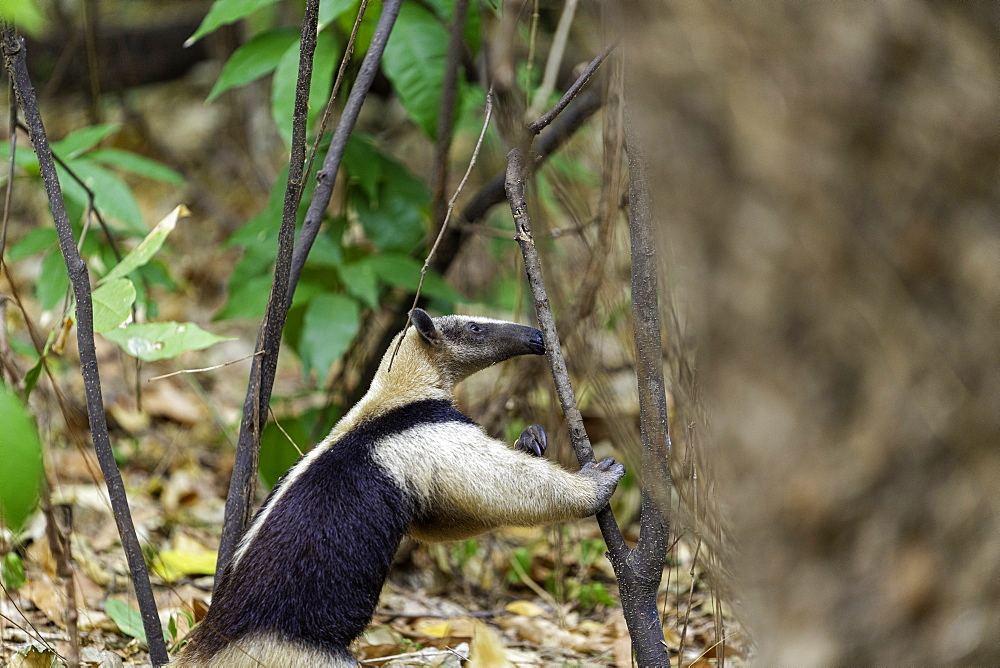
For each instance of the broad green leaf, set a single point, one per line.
(24, 158)
(111, 196)
(286, 74)
(330, 10)
(277, 453)
(255, 59)
(359, 279)
(20, 461)
(52, 280)
(414, 61)
(393, 224)
(136, 164)
(25, 14)
(403, 271)
(161, 340)
(80, 141)
(224, 12)
(248, 299)
(325, 252)
(127, 618)
(362, 162)
(12, 571)
(36, 241)
(147, 248)
(113, 303)
(331, 323)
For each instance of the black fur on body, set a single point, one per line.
(306, 578)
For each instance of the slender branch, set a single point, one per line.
(446, 114)
(328, 111)
(291, 259)
(639, 571)
(572, 91)
(556, 52)
(655, 532)
(14, 57)
(516, 180)
(326, 177)
(447, 216)
(258, 396)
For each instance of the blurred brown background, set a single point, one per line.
(827, 181)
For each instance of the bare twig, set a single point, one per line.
(328, 111)
(552, 63)
(204, 369)
(244, 477)
(14, 57)
(326, 177)
(447, 217)
(639, 570)
(292, 262)
(572, 91)
(446, 115)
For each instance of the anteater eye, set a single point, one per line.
(473, 327)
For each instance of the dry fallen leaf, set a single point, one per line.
(524, 608)
(486, 649)
(460, 627)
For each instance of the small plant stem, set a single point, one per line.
(14, 58)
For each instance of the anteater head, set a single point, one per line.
(462, 345)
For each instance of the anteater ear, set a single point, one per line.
(425, 326)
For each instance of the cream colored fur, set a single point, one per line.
(471, 483)
(261, 651)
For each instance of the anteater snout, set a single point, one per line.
(536, 344)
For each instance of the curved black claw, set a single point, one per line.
(532, 441)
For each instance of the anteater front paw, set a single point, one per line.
(605, 474)
(532, 441)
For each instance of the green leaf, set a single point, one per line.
(128, 619)
(147, 248)
(12, 571)
(277, 453)
(255, 59)
(37, 240)
(136, 164)
(247, 299)
(330, 10)
(79, 142)
(285, 76)
(25, 14)
(24, 158)
(224, 12)
(52, 280)
(325, 252)
(359, 279)
(395, 222)
(403, 271)
(362, 163)
(111, 196)
(161, 340)
(414, 61)
(113, 304)
(31, 376)
(331, 323)
(20, 461)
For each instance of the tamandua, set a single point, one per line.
(306, 577)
